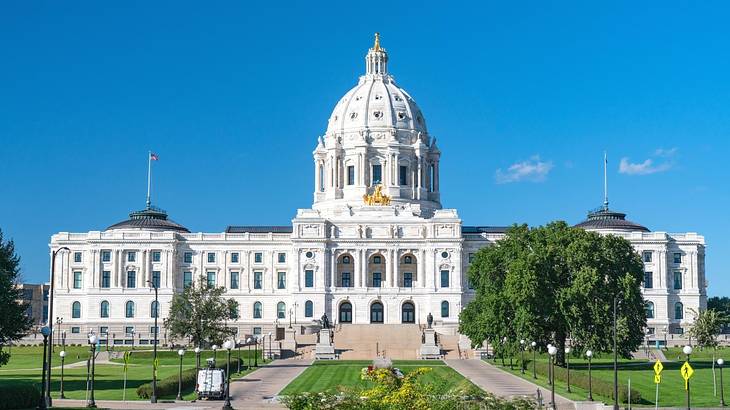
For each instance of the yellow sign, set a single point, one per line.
(687, 371)
(657, 378)
(658, 367)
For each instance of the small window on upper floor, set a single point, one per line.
(188, 257)
(471, 257)
(345, 260)
(156, 256)
(648, 280)
(403, 175)
(647, 256)
(77, 257)
(408, 259)
(211, 257)
(350, 175)
(281, 257)
(377, 175)
(258, 257)
(234, 257)
(106, 256)
(377, 260)
(677, 257)
(131, 256)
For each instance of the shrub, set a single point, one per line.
(168, 386)
(19, 395)
(599, 386)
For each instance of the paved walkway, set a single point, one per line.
(503, 384)
(257, 389)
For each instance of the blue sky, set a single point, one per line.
(523, 97)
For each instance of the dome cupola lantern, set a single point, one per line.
(376, 61)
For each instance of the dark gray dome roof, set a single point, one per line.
(605, 218)
(150, 218)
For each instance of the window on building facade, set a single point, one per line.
(77, 280)
(677, 280)
(187, 279)
(188, 257)
(308, 309)
(444, 309)
(234, 280)
(346, 279)
(156, 256)
(403, 175)
(377, 175)
(281, 310)
(154, 309)
(444, 279)
(649, 307)
(678, 310)
(257, 331)
(282, 257)
(345, 260)
(257, 280)
(75, 329)
(103, 330)
(377, 260)
(258, 257)
(281, 280)
(156, 279)
(471, 257)
(210, 280)
(647, 256)
(153, 331)
(77, 257)
(408, 260)
(377, 279)
(131, 256)
(234, 257)
(129, 309)
(309, 278)
(648, 280)
(106, 277)
(104, 309)
(211, 257)
(131, 279)
(129, 331)
(407, 280)
(350, 175)
(106, 256)
(677, 257)
(257, 310)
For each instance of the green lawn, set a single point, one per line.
(331, 375)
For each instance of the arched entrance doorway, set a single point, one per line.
(376, 313)
(346, 312)
(408, 313)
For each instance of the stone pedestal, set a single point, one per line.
(290, 341)
(325, 349)
(429, 349)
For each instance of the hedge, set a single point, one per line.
(19, 396)
(600, 386)
(168, 386)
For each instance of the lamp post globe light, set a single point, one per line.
(688, 351)
(248, 342)
(270, 358)
(197, 361)
(550, 367)
(567, 365)
(552, 350)
(534, 351)
(721, 362)
(228, 345)
(589, 355)
(522, 356)
(215, 354)
(238, 346)
(63, 357)
(45, 331)
(180, 353)
(91, 403)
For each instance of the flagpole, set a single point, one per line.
(605, 180)
(149, 177)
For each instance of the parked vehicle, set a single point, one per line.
(211, 382)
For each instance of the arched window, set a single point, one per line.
(308, 309)
(281, 310)
(104, 309)
(678, 311)
(444, 309)
(76, 310)
(408, 313)
(376, 313)
(257, 310)
(155, 309)
(649, 307)
(346, 312)
(129, 309)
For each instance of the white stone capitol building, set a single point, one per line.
(376, 246)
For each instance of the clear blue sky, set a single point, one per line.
(523, 98)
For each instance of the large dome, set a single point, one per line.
(376, 101)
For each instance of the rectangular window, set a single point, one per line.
(75, 329)
(129, 331)
(677, 280)
(257, 280)
(444, 279)
(106, 256)
(106, 279)
(257, 331)
(77, 257)
(187, 279)
(234, 257)
(153, 330)
(309, 278)
(377, 278)
(677, 257)
(377, 260)
(281, 282)
(131, 256)
(156, 279)
(469, 284)
(258, 257)
(103, 330)
(408, 280)
(234, 280)
(350, 175)
(346, 279)
(211, 257)
(210, 279)
(188, 257)
(156, 256)
(646, 255)
(282, 257)
(648, 280)
(77, 280)
(403, 175)
(131, 279)
(471, 257)
(377, 175)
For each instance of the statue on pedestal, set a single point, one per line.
(429, 319)
(325, 322)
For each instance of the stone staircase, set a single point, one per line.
(365, 342)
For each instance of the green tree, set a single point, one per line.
(14, 323)
(720, 304)
(553, 282)
(201, 314)
(706, 327)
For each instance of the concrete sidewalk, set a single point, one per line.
(257, 389)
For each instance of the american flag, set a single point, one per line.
(154, 156)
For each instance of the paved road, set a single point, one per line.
(256, 390)
(501, 383)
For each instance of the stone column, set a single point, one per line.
(333, 269)
(396, 268)
(389, 267)
(356, 262)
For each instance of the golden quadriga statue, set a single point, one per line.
(377, 197)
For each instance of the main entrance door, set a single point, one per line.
(376, 313)
(346, 313)
(408, 313)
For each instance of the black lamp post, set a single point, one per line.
(270, 358)
(688, 351)
(215, 354)
(534, 351)
(153, 398)
(197, 361)
(550, 367)
(256, 352)
(63, 357)
(228, 345)
(238, 346)
(180, 353)
(522, 356)
(551, 351)
(45, 331)
(248, 342)
(721, 362)
(91, 403)
(567, 365)
(615, 357)
(47, 380)
(589, 354)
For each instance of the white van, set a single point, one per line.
(211, 383)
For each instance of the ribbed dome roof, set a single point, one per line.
(376, 101)
(604, 218)
(150, 218)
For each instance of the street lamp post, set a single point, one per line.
(270, 358)
(290, 314)
(248, 342)
(534, 352)
(615, 357)
(45, 331)
(552, 350)
(180, 353)
(63, 357)
(47, 381)
(550, 367)
(238, 346)
(153, 398)
(63, 339)
(59, 322)
(567, 365)
(589, 354)
(197, 361)
(228, 345)
(688, 351)
(256, 352)
(215, 354)
(522, 356)
(91, 403)
(721, 362)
